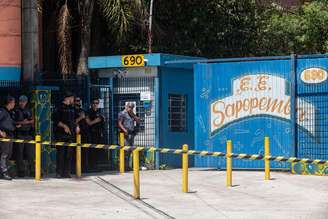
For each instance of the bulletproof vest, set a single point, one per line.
(66, 115)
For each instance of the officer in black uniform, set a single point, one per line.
(65, 130)
(7, 128)
(24, 126)
(84, 131)
(96, 121)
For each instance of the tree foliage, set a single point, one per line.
(300, 31)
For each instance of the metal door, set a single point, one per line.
(141, 92)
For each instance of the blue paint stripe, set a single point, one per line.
(155, 59)
(99, 62)
(10, 73)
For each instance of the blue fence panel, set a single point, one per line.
(312, 90)
(244, 102)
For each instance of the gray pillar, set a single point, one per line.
(30, 39)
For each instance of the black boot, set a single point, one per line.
(6, 176)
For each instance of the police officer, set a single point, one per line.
(95, 120)
(7, 129)
(65, 130)
(84, 131)
(24, 124)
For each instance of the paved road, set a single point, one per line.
(107, 195)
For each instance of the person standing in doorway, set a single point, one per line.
(66, 130)
(96, 122)
(7, 128)
(126, 124)
(24, 127)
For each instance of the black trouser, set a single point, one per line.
(64, 157)
(25, 149)
(6, 149)
(94, 153)
(85, 152)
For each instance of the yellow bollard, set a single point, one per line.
(78, 156)
(185, 169)
(37, 158)
(121, 152)
(266, 161)
(136, 178)
(229, 163)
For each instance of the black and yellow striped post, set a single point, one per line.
(121, 140)
(136, 177)
(185, 169)
(78, 156)
(37, 157)
(229, 163)
(266, 160)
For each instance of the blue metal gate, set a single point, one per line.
(245, 100)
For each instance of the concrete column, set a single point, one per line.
(30, 40)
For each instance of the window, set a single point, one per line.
(177, 113)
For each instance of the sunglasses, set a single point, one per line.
(96, 103)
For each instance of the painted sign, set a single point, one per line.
(258, 95)
(314, 75)
(133, 60)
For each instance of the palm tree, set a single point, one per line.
(120, 15)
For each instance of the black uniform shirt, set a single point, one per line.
(20, 115)
(65, 114)
(83, 123)
(98, 127)
(6, 122)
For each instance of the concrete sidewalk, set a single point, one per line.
(107, 195)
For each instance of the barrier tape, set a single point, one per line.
(174, 151)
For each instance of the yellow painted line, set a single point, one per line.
(279, 158)
(253, 157)
(191, 152)
(217, 153)
(292, 159)
(178, 151)
(100, 146)
(203, 153)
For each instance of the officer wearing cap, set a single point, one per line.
(7, 129)
(24, 121)
(65, 131)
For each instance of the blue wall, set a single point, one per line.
(214, 82)
(10, 73)
(175, 81)
(220, 86)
